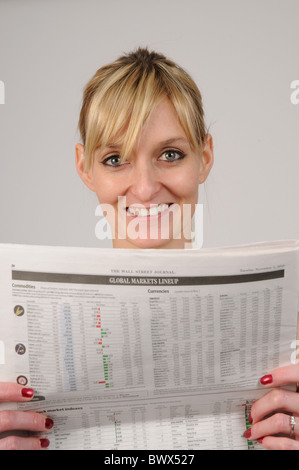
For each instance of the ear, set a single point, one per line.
(86, 176)
(207, 159)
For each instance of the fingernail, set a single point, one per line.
(266, 380)
(260, 440)
(250, 418)
(49, 423)
(247, 433)
(44, 443)
(27, 392)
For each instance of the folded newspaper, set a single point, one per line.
(147, 349)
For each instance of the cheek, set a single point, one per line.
(107, 189)
(185, 183)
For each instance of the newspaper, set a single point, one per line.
(147, 349)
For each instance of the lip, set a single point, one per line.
(148, 207)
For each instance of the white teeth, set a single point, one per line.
(145, 212)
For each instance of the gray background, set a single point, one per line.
(243, 56)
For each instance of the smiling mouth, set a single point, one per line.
(151, 211)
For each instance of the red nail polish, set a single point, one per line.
(44, 443)
(247, 433)
(260, 441)
(250, 418)
(266, 380)
(49, 423)
(27, 392)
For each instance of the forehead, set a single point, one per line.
(163, 119)
(161, 127)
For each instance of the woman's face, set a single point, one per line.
(150, 198)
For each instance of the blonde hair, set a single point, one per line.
(121, 95)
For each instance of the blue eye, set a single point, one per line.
(114, 159)
(171, 155)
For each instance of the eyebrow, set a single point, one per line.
(166, 142)
(173, 140)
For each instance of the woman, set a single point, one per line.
(145, 149)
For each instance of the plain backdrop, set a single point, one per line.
(242, 54)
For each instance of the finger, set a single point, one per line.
(275, 400)
(23, 443)
(282, 376)
(24, 420)
(279, 443)
(12, 392)
(279, 423)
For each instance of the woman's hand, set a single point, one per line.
(21, 420)
(284, 404)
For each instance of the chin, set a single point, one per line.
(156, 243)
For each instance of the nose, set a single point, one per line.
(144, 181)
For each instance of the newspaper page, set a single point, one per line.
(147, 349)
